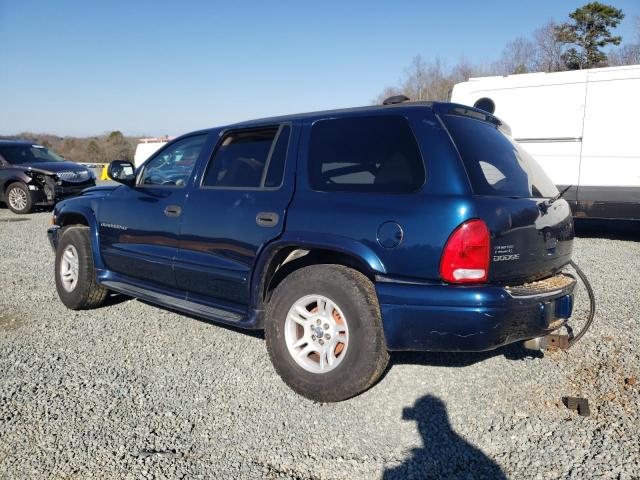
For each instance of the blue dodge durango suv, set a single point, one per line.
(343, 234)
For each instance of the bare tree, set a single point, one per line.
(429, 80)
(423, 80)
(549, 49)
(464, 70)
(518, 56)
(386, 93)
(628, 54)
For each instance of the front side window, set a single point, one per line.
(25, 154)
(365, 154)
(252, 158)
(496, 164)
(172, 166)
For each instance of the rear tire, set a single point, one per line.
(341, 307)
(18, 198)
(75, 274)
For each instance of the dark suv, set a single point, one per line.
(343, 234)
(34, 175)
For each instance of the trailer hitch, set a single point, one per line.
(555, 341)
(565, 342)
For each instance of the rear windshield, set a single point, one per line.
(496, 164)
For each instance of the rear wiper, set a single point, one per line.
(559, 195)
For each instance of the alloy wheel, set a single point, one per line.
(17, 198)
(69, 266)
(316, 333)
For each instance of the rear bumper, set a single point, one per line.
(439, 317)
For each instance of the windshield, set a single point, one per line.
(496, 164)
(25, 154)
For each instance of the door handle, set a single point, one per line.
(172, 211)
(267, 219)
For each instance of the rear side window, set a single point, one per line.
(496, 164)
(365, 154)
(252, 158)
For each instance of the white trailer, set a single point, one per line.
(581, 126)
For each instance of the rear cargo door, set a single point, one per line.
(531, 230)
(237, 205)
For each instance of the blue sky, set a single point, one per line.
(154, 67)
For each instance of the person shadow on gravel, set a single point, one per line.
(445, 454)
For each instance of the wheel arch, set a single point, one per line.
(72, 218)
(286, 256)
(82, 216)
(9, 180)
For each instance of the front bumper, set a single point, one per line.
(441, 317)
(53, 234)
(49, 193)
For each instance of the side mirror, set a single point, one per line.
(123, 172)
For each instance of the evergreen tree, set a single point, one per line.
(588, 31)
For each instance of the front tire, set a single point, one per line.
(75, 273)
(19, 198)
(324, 332)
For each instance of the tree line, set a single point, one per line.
(577, 43)
(98, 149)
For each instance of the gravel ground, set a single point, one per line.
(134, 391)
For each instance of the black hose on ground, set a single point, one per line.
(592, 305)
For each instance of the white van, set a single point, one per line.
(582, 126)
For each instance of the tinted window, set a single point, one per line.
(173, 165)
(241, 158)
(365, 154)
(496, 164)
(278, 157)
(24, 154)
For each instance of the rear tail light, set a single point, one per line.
(466, 255)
